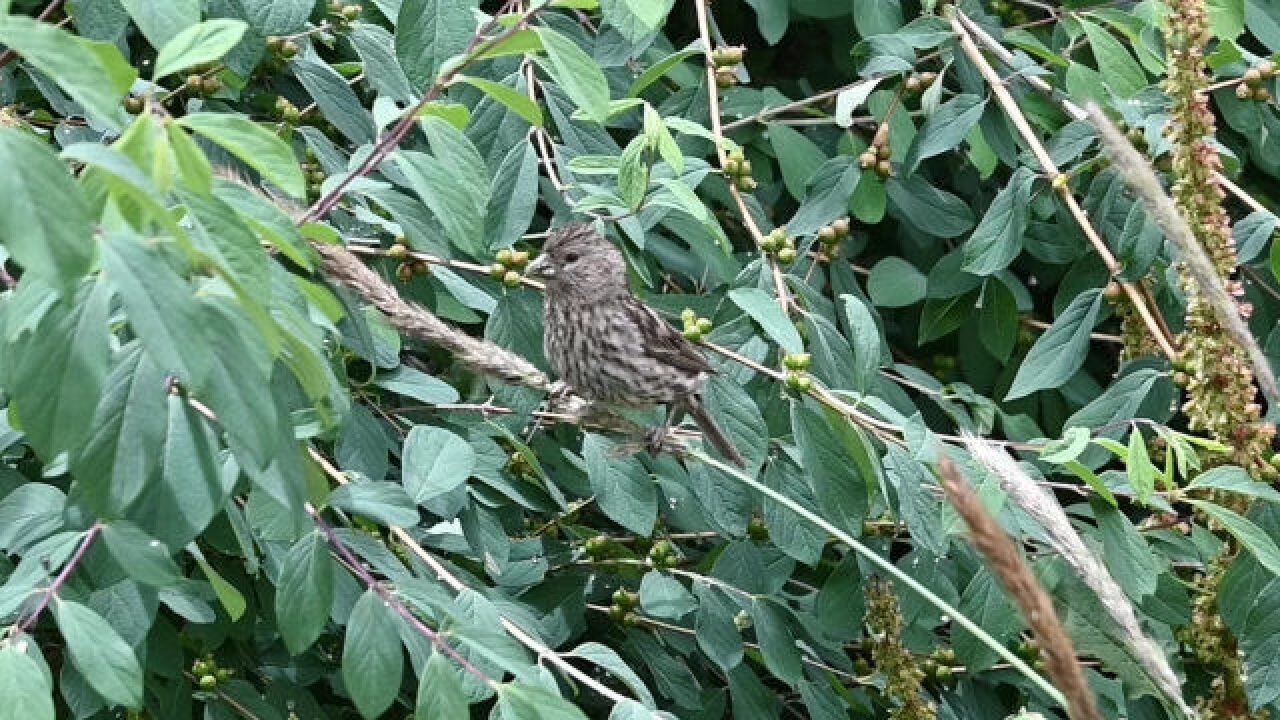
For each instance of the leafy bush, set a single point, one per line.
(277, 409)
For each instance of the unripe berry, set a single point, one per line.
(1060, 181)
(827, 235)
(704, 325)
(398, 250)
(497, 271)
(841, 226)
(1261, 94)
(210, 85)
(747, 184)
(194, 83)
(1252, 76)
(884, 168)
(289, 49)
(867, 159)
(351, 12)
(208, 682)
(134, 105)
(511, 278)
(520, 258)
(504, 256)
(1244, 92)
(688, 316)
(404, 272)
(787, 255)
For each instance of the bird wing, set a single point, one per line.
(665, 344)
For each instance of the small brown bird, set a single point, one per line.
(609, 347)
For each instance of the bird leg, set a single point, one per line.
(655, 437)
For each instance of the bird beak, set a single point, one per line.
(540, 267)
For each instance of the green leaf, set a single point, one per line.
(605, 657)
(231, 598)
(657, 70)
(435, 461)
(797, 156)
(23, 685)
(1252, 537)
(144, 558)
(372, 661)
(894, 282)
(1141, 473)
(416, 384)
(336, 100)
(633, 172)
(1226, 18)
(877, 17)
(623, 489)
(864, 336)
(1119, 69)
(160, 307)
(662, 596)
(28, 514)
(998, 319)
(304, 592)
(454, 182)
(926, 208)
(383, 501)
(1125, 551)
(528, 702)
(777, 643)
(998, 238)
(254, 145)
(160, 22)
(56, 372)
(1060, 352)
(94, 74)
(576, 73)
(428, 32)
(765, 310)
(984, 602)
(717, 635)
(944, 129)
(99, 653)
(637, 20)
(1234, 479)
(826, 450)
(518, 102)
(53, 241)
(440, 692)
(1074, 441)
(200, 43)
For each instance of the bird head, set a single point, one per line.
(578, 259)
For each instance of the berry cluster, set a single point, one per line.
(694, 327)
(919, 82)
(797, 364)
(1251, 88)
(738, 169)
(779, 244)
(208, 674)
(726, 61)
(877, 156)
(509, 267)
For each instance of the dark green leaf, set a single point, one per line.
(52, 241)
(576, 73)
(623, 489)
(304, 592)
(440, 694)
(200, 43)
(1060, 352)
(435, 462)
(945, 129)
(254, 145)
(23, 684)
(383, 501)
(372, 661)
(428, 32)
(105, 660)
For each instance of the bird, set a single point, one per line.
(609, 347)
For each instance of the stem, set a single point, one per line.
(391, 140)
(1014, 113)
(24, 624)
(946, 608)
(457, 585)
(713, 101)
(393, 602)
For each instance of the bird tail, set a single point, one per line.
(711, 431)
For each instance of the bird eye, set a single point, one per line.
(571, 257)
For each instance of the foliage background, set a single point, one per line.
(238, 480)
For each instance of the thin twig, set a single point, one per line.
(713, 100)
(393, 602)
(457, 585)
(1162, 210)
(1136, 297)
(409, 119)
(27, 620)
